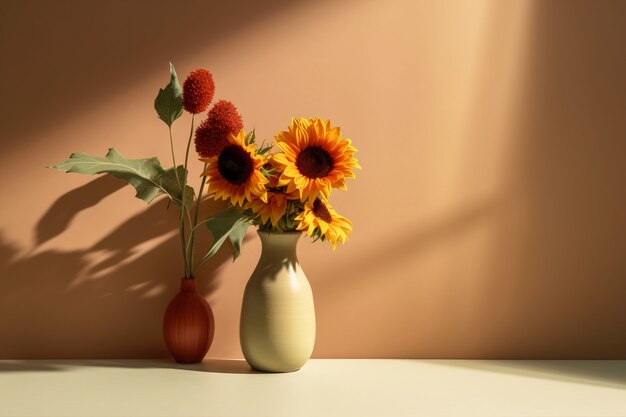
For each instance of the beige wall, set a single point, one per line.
(489, 217)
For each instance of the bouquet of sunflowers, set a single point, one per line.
(278, 188)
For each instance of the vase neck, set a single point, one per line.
(188, 285)
(279, 246)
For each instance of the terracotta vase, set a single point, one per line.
(277, 327)
(188, 324)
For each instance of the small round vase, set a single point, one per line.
(277, 327)
(188, 324)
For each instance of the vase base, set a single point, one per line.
(273, 371)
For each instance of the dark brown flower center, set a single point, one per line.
(314, 162)
(321, 211)
(235, 164)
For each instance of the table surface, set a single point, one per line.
(324, 387)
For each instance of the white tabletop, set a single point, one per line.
(324, 387)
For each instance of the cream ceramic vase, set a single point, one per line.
(277, 328)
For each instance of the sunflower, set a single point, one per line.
(235, 174)
(277, 198)
(314, 158)
(319, 220)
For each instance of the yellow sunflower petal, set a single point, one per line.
(229, 188)
(325, 160)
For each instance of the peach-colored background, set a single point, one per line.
(489, 217)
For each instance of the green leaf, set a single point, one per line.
(236, 235)
(231, 224)
(250, 138)
(147, 176)
(169, 102)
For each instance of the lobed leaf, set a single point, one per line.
(147, 176)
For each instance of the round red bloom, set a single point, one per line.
(212, 134)
(198, 91)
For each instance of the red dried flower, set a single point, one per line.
(212, 134)
(198, 91)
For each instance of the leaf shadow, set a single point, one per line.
(60, 214)
(106, 300)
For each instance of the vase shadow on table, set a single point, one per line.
(29, 366)
(218, 366)
(106, 300)
(609, 373)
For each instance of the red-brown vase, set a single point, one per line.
(188, 324)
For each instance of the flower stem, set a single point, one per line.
(173, 157)
(189, 141)
(186, 255)
(192, 233)
(182, 205)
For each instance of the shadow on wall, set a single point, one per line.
(85, 45)
(61, 213)
(549, 280)
(115, 306)
(565, 276)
